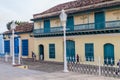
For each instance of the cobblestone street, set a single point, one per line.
(44, 66)
(43, 71)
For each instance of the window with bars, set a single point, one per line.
(89, 52)
(51, 50)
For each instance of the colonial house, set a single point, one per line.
(23, 43)
(93, 30)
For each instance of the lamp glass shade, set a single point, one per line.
(63, 16)
(13, 25)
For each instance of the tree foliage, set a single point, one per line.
(16, 22)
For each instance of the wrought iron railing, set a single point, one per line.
(54, 29)
(100, 66)
(88, 26)
(84, 26)
(112, 24)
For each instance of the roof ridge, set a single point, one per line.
(72, 4)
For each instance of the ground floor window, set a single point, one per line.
(51, 50)
(109, 54)
(25, 47)
(7, 46)
(89, 52)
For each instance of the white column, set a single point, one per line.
(11, 43)
(19, 51)
(13, 55)
(65, 59)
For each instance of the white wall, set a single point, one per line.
(1, 44)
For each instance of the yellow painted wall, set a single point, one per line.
(45, 42)
(84, 18)
(38, 24)
(97, 40)
(112, 15)
(55, 22)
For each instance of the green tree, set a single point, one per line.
(16, 22)
(9, 25)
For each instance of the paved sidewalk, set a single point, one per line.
(7, 72)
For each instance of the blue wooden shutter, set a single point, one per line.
(7, 46)
(70, 48)
(70, 23)
(16, 46)
(99, 20)
(51, 50)
(89, 51)
(25, 47)
(46, 26)
(109, 54)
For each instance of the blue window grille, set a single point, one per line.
(51, 50)
(89, 52)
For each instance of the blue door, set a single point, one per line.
(46, 26)
(109, 54)
(99, 20)
(70, 23)
(7, 46)
(70, 49)
(25, 47)
(16, 46)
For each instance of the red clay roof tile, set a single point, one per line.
(26, 27)
(72, 5)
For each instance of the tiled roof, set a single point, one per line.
(23, 28)
(70, 7)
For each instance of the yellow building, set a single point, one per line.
(93, 30)
(22, 36)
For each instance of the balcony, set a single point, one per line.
(109, 25)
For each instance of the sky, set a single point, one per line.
(23, 10)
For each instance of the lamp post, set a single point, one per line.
(13, 26)
(63, 19)
(19, 51)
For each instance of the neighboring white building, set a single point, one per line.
(1, 44)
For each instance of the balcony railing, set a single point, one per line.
(113, 24)
(84, 26)
(54, 29)
(90, 26)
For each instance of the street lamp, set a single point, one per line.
(13, 26)
(63, 19)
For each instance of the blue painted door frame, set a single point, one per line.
(99, 20)
(46, 26)
(70, 23)
(109, 54)
(70, 49)
(25, 47)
